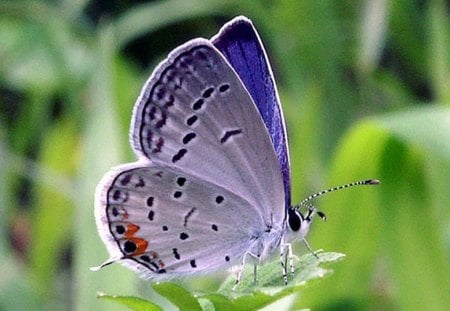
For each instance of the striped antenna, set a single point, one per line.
(356, 183)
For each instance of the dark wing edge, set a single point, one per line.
(101, 217)
(241, 45)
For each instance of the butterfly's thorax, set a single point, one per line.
(266, 242)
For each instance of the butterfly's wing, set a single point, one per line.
(241, 45)
(194, 119)
(195, 115)
(168, 223)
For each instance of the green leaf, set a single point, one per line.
(270, 277)
(177, 295)
(220, 302)
(270, 286)
(248, 296)
(391, 231)
(427, 127)
(134, 303)
(403, 172)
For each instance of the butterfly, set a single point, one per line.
(211, 186)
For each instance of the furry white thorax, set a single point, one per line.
(291, 235)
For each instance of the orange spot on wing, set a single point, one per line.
(131, 230)
(141, 246)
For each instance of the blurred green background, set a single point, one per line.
(365, 87)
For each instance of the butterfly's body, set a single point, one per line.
(211, 186)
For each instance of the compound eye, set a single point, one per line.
(294, 219)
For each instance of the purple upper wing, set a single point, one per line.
(240, 44)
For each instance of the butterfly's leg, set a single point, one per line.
(283, 260)
(291, 258)
(255, 276)
(239, 275)
(310, 249)
(241, 269)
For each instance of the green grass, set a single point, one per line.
(365, 88)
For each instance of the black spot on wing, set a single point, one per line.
(117, 196)
(219, 199)
(179, 155)
(129, 247)
(115, 211)
(150, 201)
(151, 215)
(125, 180)
(176, 254)
(193, 263)
(224, 87)
(198, 104)
(140, 183)
(188, 137)
(229, 134)
(191, 120)
(177, 194)
(208, 92)
(181, 181)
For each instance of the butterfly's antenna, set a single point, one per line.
(315, 195)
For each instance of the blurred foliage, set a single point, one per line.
(247, 295)
(365, 87)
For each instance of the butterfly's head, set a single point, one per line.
(299, 221)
